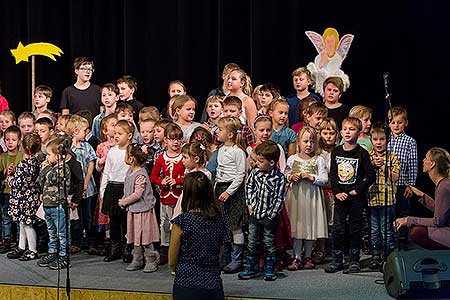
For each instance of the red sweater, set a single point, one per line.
(169, 167)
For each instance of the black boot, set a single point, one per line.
(163, 255)
(336, 265)
(115, 253)
(127, 256)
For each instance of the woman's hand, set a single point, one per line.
(410, 190)
(400, 222)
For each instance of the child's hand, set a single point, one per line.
(306, 176)
(10, 169)
(250, 210)
(378, 162)
(341, 196)
(353, 193)
(224, 196)
(164, 181)
(121, 203)
(85, 186)
(295, 177)
(205, 125)
(171, 182)
(102, 161)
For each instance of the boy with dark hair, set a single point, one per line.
(127, 88)
(351, 174)
(264, 191)
(110, 96)
(333, 87)
(405, 147)
(82, 95)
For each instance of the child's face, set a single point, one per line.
(379, 142)
(315, 119)
(110, 124)
(173, 144)
(121, 137)
(331, 93)
(300, 82)
(231, 111)
(189, 162)
(328, 137)
(222, 133)
(109, 98)
(366, 124)
(187, 112)
(175, 90)
(125, 115)
(51, 156)
(84, 72)
(159, 134)
(234, 81)
(263, 164)
(306, 144)
(263, 130)
(330, 43)
(26, 126)
(125, 92)
(60, 125)
(265, 99)
(44, 132)
(349, 132)
(40, 100)
(280, 114)
(398, 124)
(147, 132)
(5, 122)
(214, 110)
(80, 133)
(11, 141)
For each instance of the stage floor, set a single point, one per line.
(90, 272)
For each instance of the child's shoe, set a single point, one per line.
(62, 262)
(236, 260)
(318, 257)
(163, 252)
(47, 259)
(138, 259)
(295, 265)
(354, 267)
(5, 247)
(308, 264)
(151, 260)
(29, 255)
(16, 253)
(334, 267)
(251, 269)
(374, 262)
(270, 273)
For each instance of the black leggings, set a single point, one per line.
(182, 293)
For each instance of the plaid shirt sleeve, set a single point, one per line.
(250, 188)
(279, 186)
(412, 163)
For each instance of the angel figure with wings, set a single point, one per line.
(332, 53)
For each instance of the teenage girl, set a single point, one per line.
(183, 109)
(176, 88)
(240, 85)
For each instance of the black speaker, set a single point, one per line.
(415, 270)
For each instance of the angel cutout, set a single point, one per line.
(332, 53)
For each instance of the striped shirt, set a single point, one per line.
(377, 190)
(405, 147)
(264, 191)
(85, 154)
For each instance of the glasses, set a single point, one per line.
(87, 70)
(174, 139)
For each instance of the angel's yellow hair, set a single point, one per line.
(331, 31)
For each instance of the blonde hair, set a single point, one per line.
(179, 102)
(255, 95)
(300, 71)
(149, 112)
(179, 82)
(214, 99)
(333, 32)
(442, 159)
(233, 125)
(328, 124)
(360, 112)
(75, 122)
(398, 111)
(314, 136)
(275, 102)
(247, 87)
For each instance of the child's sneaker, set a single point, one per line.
(251, 269)
(62, 262)
(47, 259)
(269, 268)
(354, 267)
(29, 255)
(308, 264)
(375, 261)
(334, 267)
(295, 265)
(16, 253)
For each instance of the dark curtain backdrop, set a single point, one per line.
(160, 41)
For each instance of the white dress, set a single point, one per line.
(305, 201)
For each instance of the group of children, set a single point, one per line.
(120, 174)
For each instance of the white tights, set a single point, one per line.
(27, 234)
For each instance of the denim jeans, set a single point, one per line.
(268, 228)
(377, 234)
(56, 226)
(6, 219)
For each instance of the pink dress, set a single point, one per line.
(99, 217)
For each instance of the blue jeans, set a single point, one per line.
(56, 226)
(6, 219)
(377, 221)
(268, 228)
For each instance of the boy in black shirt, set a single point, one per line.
(351, 174)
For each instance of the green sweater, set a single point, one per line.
(5, 160)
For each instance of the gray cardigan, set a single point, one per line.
(138, 193)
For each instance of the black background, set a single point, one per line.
(160, 41)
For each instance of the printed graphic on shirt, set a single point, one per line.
(347, 169)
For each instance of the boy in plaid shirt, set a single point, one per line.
(264, 194)
(405, 147)
(377, 195)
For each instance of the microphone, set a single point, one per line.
(64, 145)
(386, 80)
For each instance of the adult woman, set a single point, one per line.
(432, 233)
